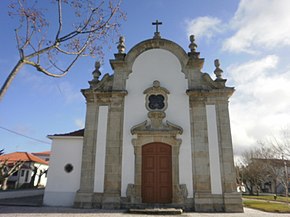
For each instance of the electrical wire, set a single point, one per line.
(20, 134)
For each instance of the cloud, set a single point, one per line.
(46, 85)
(263, 24)
(70, 93)
(203, 26)
(80, 123)
(259, 108)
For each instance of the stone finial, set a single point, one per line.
(156, 83)
(96, 73)
(218, 71)
(121, 46)
(192, 46)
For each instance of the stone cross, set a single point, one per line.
(157, 34)
(156, 24)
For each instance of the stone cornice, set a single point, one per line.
(225, 92)
(92, 95)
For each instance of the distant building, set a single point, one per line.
(45, 155)
(276, 184)
(23, 176)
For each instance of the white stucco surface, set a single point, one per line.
(161, 65)
(101, 149)
(62, 186)
(214, 160)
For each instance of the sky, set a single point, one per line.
(251, 38)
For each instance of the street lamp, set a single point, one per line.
(286, 177)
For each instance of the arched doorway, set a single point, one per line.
(156, 173)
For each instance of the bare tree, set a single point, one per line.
(41, 173)
(36, 172)
(75, 28)
(253, 169)
(278, 167)
(263, 164)
(32, 180)
(252, 174)
(281, 144)
(7, 170)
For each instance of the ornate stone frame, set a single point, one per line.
(169, 138)
(156, 90)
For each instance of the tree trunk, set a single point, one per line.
(10, 78)
(39, 177)
(4, 184)
(276, 186)
(31, 184)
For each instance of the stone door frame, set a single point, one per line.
(169, 139)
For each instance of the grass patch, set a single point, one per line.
(266, 197)
(267, 206)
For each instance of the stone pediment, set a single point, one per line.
(156, 125)
(105, 84)
(209, 83)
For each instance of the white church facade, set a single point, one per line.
(157, 133)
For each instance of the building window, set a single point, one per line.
(26, 175)
(156, 98)
(22, 172)
(15, 174)
(68, 168)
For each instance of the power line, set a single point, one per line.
(20, 134)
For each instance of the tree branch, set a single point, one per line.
(10, 78)
(43, 70)
(59, 7)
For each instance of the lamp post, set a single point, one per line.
(286, 177)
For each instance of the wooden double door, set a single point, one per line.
(156, 173)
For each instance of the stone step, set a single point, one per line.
(157, 211)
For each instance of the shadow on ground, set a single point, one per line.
(33, 204)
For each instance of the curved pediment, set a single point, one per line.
(154, 43)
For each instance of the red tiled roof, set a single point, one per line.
(74, 133)
(21, 156)
(47, 153)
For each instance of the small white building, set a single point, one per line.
(44, 155)
(31, 164)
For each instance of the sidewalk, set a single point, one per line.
(25, 211)
(32, 207)
(23, 201)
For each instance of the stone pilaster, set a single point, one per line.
(232, 199)
(200, 152)
(84, 196)
(112, 184)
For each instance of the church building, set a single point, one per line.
(157, 134)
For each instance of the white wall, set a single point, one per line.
(43, 178)
(62, 186)
(161, 65)
(101, 149)
(214, 159)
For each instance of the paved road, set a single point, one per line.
(22, 211)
